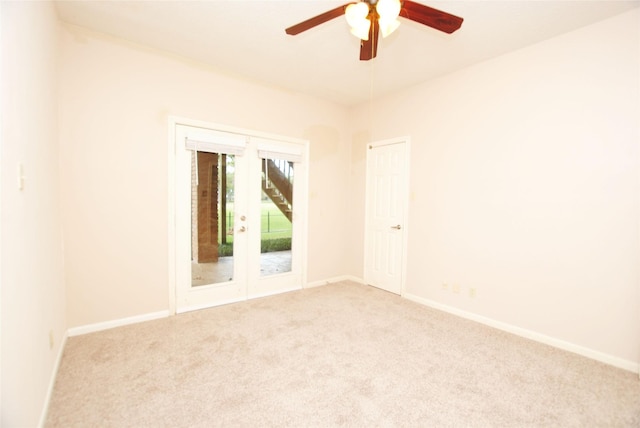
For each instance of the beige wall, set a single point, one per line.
(524, 186)
(115, 101)
(32, 283)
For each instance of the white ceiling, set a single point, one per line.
(246, 38)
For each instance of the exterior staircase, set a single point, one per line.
(277, 184)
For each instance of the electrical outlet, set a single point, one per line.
(445, 286)
(456, 288)
(51, 341)
(472, 292)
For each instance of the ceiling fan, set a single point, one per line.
(367, 18)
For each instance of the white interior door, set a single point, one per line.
(386, 213)
(232, 241)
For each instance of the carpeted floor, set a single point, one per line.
(338, 355)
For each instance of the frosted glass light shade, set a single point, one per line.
(356, 14)
(388, 10)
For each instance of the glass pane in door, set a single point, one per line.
(276, 206)
(212, 184)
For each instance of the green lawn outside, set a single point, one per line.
(273, 224)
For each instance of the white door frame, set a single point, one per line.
(301, 202)
(405, 206)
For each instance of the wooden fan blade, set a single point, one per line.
(316, 20)
(431, 17)
(369, 48)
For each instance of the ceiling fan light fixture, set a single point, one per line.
(368, 18)
(356, 14)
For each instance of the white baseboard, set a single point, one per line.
(333, 280)
(92, 328)
(52, 382)
(529, 334)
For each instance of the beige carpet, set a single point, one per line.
(338, 355)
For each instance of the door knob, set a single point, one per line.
(398, 227)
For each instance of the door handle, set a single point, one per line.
(397, 227)
(242, 229)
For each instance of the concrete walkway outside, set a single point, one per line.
(214, 273)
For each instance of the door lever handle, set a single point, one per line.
(398, 227)
(242, 229)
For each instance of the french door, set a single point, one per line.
(239, 216)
